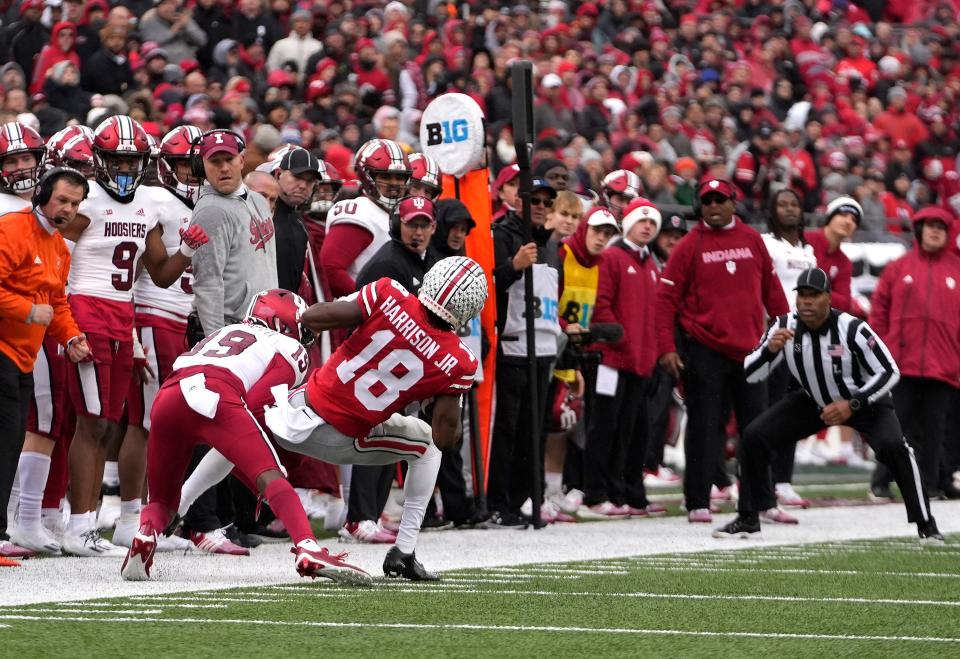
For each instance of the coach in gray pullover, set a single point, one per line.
(240, 259)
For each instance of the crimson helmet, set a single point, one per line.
(60, 138)
(280, 311)
(382, 157)
(426, 172)
(116, 138)
(178, 145)
(328, 175)
(623, 182)
(15, 139)
(77, 153)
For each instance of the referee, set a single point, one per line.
(845, 373)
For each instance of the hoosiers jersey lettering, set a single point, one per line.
(173, 302)
(366, 214)
(249, 352)
(106, 255)
(396, 357)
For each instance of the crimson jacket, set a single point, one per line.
(717, 283)
(916, 311)
(839, 269)
(626, 294)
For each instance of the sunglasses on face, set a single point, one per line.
(541, 201)
(712, 198)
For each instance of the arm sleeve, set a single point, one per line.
(876, 358)
(503, 272)
(209, 264)
(761, 362)
(341, 247)
(12, 253)
(670, 291)
(63, 327)
(880, 302)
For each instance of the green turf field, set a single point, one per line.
(881, 598)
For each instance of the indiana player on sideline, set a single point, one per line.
(404, 350)
(205, 401)
(357, 228)
(21, 152)
(117, 226)
(161, 320)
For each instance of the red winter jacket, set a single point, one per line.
(717, 283)
(627, 294)
(916, 311)
(839, 269)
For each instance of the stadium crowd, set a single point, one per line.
(658, 124)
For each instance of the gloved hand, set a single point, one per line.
(193, 238)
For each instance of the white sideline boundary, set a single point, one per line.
(48, 580)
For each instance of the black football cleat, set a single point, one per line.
(929, 533)
(398, 564)
(739, 528)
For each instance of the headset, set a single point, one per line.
(44, 189)
(196, 162)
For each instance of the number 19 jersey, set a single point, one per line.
(394, 358)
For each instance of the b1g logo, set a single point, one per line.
(448, 132)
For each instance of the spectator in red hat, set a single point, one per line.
(713, 293)
(63, 39)
(856, 63)
(368, 67)
(27, 37)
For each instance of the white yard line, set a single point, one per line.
(77, 579)
(501, 628)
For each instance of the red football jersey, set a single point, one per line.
(396, 357)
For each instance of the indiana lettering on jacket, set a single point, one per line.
(721, 255)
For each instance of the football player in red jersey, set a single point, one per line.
(404, 350)
(205, 401)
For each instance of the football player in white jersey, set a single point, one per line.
(21, 152)
(118, 228)
(205, 401)
(357, 228)
(161, 322)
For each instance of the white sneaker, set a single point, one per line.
(787, 496)
(173, 543)
(36, 539)
(571, 501)
(90, 544)
(127, 527)
(109, 512)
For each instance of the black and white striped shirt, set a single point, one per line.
(844, 359)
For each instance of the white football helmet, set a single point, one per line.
(455, 289)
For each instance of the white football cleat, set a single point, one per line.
(89, 544)
(35, 539)
(109, 511)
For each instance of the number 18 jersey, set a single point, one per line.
(394, 358)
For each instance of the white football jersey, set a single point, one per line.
(248, 351)
(178, 298)
(789, 261)
(11, 203)
(364, 213)
(106, 256)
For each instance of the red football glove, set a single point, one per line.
(193, 238)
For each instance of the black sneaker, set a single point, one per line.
(504, 521)
(881, 494)
(739, 528)
(477, 521)
(266, 535)
(434, 523)
(238, 537)
(929, 533)
(398, 564)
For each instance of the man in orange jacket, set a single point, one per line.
(34, 262)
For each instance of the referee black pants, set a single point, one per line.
(16, 390)
(796, 416)
(709, 378)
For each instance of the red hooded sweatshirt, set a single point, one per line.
(52, 53)
(717, 284)
(916, 311)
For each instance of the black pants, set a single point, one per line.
(511, 471)
(659, 402)
(922, 406)
(16, 391)
(796, 417)
(778, 384)
(617, 445)
(709, 378)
